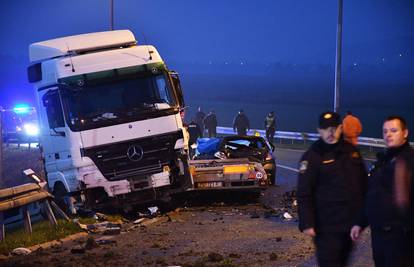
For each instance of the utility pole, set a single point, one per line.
(1, 146)
(111, 15)
(338, 57)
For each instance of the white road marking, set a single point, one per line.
(287, 168)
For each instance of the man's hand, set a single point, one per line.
(310, 232)
(355, 232)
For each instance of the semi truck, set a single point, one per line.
(111, 129)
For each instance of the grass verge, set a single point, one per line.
(42, 232)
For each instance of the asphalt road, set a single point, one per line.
(243, 234)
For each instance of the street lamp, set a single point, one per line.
(111, 15)
(338, 57)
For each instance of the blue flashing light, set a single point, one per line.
(22, 109)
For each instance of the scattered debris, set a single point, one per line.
(105, 240)
(101, 217)
(273, 256)
(153, 211)
(215, 257)
(287, 216)
(112, 231)
(140, 220)
(78, 249)
(21, 251)
(150, 221)
(107, 228)
(90, 243)
(289, 207)
(234, 255)
(82, 212)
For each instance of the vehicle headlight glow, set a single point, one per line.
(31, 129)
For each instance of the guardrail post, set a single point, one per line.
(49, 212)
(27, 223)
(2, 232)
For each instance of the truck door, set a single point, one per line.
(55, 135)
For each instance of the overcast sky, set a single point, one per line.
(278, 30)
(200, 31)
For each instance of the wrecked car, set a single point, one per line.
(255, 148)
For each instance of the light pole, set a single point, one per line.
(111, 15)
(1, 146)
(338, 59)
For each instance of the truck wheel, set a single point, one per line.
(60, 194)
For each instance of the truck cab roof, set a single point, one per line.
(72, 45)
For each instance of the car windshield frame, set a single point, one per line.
(245, 143)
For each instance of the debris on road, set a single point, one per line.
(287, 216)
(90, 243)
(140, 220)
(78, 249)
(104, 240)
(21, 251)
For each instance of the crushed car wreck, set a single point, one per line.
(233, 162)
(254, 148)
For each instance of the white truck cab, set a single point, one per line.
(109, 113)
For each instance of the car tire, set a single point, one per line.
(273, 178)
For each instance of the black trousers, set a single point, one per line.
(393, 247)
(212, 132)
(270, 134)
(333, 249)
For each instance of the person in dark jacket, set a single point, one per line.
(330, 192)
(210, 123)
(241, 123)
(270, 126)
(199, 119)
(389, 205)
(194, 132)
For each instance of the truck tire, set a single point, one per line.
(60, 194)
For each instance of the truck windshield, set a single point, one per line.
(116, 96)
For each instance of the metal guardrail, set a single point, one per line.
(363, 141)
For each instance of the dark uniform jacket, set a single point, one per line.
(331, 187)
(210, 122)
(241, 124)
(194, 131)
(381, 211)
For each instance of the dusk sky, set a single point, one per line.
(198, 33)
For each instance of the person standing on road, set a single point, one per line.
(352, 128)
(330, 192)
(241, 123)
(270, 126)
(210, 122)
(199, 119)
(389, 204)
(194, 132)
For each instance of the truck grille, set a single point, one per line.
(134, 158)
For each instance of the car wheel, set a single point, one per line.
(273, 178)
